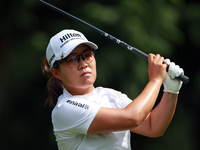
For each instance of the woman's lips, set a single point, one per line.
(85, 74)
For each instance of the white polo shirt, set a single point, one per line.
(73, 115)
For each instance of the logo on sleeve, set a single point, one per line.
(85, 106)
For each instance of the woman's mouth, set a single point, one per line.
(85, 74)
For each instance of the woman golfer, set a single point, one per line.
(85, 117)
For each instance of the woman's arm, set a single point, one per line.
(159, 118)
(109, 120)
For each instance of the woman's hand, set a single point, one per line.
(156, 68)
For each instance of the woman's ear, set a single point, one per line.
(55, 73)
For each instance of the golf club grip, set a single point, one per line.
(182, 77)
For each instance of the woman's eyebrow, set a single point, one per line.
(81, 51)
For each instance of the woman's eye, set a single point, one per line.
(71, 59)
(87, 55)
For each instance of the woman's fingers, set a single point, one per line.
(157, 67)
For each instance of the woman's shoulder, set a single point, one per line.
(111, 91)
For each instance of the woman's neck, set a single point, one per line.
(80, 91)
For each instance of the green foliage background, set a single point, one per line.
(168, 27)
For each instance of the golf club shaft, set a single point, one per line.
(182, 77)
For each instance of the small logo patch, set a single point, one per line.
(63, 54)
(85, 106)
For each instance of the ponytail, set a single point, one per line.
(54, 86)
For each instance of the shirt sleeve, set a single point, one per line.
(123, 99)
(126, 100)
(74, 115)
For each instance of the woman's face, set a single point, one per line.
(79, 79)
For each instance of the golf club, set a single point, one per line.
(182, 77)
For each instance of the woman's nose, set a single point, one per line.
(82, 63)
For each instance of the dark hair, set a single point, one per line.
(54, 86)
